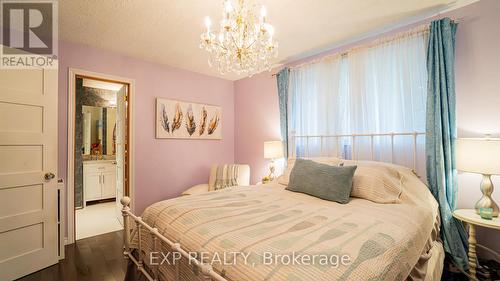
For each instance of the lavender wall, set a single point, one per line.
(478, 93)
(163, 168)
(256, 120)
(478, 98)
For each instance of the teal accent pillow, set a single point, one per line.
(324, 181)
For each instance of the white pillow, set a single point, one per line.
(376, 181)
(285, 178)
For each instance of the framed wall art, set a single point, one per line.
(187, 120)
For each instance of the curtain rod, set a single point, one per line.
(378, 41)
(374, 43)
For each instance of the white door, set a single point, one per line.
(108, 187)
(28, 152)
(121, 138)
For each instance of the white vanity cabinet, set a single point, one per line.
(99, 180)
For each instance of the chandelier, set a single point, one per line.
(244, 43)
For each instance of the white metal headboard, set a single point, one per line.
(293, 140)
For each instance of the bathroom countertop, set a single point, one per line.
(99, 161)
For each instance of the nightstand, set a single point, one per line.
(472, 219)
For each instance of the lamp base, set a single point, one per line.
(271, 170)
(486, 201)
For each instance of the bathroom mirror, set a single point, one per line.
(99, 130)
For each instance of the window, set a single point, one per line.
(377, 89)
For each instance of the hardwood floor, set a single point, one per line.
(97, 258)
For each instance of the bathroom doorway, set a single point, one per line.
(100, 159)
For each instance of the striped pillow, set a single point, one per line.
(226, 176)
(377, 182)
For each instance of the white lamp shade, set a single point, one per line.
(273, 149)
(480, 156)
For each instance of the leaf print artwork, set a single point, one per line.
(176, 124)
(190, 123)
(187, 120)
(214, 123)
(164, 119)
(203, 121)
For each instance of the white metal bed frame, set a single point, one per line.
(293, 139)
(128, 235)
(206, 269)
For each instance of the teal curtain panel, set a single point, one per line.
(282, 79)
(441, 132)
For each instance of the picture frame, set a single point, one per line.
(177, 119)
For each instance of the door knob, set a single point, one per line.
(49, 176)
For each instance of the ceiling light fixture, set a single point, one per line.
(244, 44)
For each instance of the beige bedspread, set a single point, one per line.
(382, 241)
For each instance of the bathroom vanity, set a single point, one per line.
(99, 180)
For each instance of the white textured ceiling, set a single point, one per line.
(168, 31)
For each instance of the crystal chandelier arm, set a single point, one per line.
(251, 44)
(234, 41)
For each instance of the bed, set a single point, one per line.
(264, 232)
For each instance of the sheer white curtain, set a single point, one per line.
(375, 89)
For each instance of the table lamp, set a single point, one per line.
(273, 150)
(481, 156)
